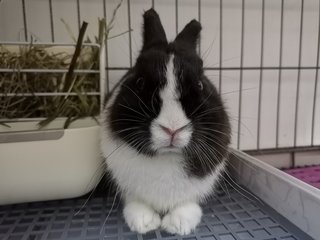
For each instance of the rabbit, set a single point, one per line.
(165, 132)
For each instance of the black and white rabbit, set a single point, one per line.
(165, 132)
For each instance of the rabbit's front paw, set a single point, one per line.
(183, 219)
(140, 217)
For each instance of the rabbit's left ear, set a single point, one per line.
(153, 32)
(190, 34)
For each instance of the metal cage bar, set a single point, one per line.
(199, 19)
(43, 94)
(51, 21)
(241, 71)
(298, 78)
(78, 14)
(280, 74)
(261, 73)
(106, 53)
(314, 103)
(239, 68)
(129, 29)
(220, 43)
(177, 15)
(221, 68)
(37, 70)
(25, 25)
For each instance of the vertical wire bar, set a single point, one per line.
(199, 19)
(293, 159)
(106, 48)
(102, 72)
(177, 16)
(78, 14)
(129, 28)
(280, 74)
(261, 73)
(152, 3)
(25, 25)
(241, 72)
(315, 85)
(298, 78)
(51, 20)
(220, 45)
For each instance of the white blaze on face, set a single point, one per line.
(171, 115)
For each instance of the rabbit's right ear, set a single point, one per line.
(153, 32)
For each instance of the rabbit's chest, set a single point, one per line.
(161, 181)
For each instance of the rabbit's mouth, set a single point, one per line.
(169, 149)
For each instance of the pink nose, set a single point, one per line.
(168, 131)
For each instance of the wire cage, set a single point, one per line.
(263, 57)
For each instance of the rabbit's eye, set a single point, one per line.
(200, 85)
(140, 83)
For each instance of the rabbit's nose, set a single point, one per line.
(169, 131)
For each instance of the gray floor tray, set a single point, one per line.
(229, 215)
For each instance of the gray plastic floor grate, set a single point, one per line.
(227, 216)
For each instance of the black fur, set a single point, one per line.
(153, 32)
(138, 102)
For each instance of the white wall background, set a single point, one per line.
(39, 26)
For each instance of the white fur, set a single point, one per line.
(171, 115)
(158, 184)
(140, 217)
(183, 219)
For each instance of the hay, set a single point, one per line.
(77, 104)
(50, 107)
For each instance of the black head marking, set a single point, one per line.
(138, 102)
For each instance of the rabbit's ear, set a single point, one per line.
(189, 35)
(153, 32)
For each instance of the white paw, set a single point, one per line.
(140, 217)
(183, 219)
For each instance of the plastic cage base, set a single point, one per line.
(308, 174)
(229, 215)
